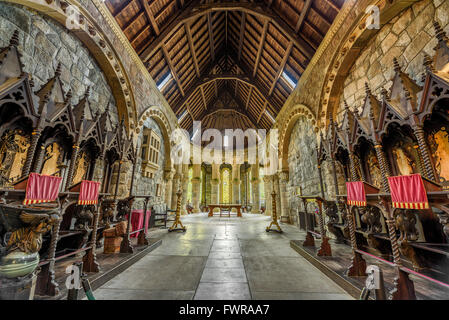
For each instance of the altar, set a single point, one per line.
(212, 207)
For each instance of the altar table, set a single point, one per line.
(214, 206)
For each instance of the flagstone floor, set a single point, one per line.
(223, 258)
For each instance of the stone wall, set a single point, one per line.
(302, 162)
(407, 37)
(147, 186)
(43, 44)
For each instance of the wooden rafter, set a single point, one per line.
(263, 112)
(242, 34)
(196, 10)
(204, 98)
(260, 49)
(192, 49)
(249, 98)
(150, 16)
(211, 36)
(172, 69)
(302, 17)
(281, 67)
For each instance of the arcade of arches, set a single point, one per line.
(352, 98)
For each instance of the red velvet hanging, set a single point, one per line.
(89, 192)
(41, 188)
(356, 193)
(408, 192)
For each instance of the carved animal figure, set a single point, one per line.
(371, 218)
(29, 239)
(406, 224)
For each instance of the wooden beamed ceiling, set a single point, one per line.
(241, 47)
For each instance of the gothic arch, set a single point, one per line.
(349, 50)
(99, 46)
(157, 115)
(286, 128)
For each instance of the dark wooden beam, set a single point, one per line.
(211, 36)
(192, 49)
(172, 69)
(281, 67)
(302, 17)
(260, 49)
(204, 98)
(249, 97)
(242, 34)
(196, 10)
(150, 16)
(263, 112)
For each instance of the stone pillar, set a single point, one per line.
(185, 188)
(169, 174)
(267, 180)
(255, 188)
(283, 180)
(236, 183)
(215, 185)
(196, 181)
(175, 189)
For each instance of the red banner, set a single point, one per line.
(356, 193)
(138, 220)
(89, 192)
(41, 188)
(408, 192)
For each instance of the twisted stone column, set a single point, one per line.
(284, 196)
(384, 168)
(425, 153)
(35, 135)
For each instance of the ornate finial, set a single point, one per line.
(384, 93)
(367, 89)
(31, 81)
(439, 32)
(14, 41)
(58, 70)
(68, 96)
(397, 67)
(428, 63)
(407, 94)
(87, 93)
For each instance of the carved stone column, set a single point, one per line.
(267, 180)
(215, 185)
(185, 188)
(196, 181)
(284, 196)
(176, 187)
(168, 177)
(425, 153)
(236, 183)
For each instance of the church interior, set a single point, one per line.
(224, 150)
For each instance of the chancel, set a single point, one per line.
(224, 150)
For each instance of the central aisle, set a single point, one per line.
(223, 258)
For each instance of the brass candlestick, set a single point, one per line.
(177, 224)
(274, 215)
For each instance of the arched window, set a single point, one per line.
(226, 188)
